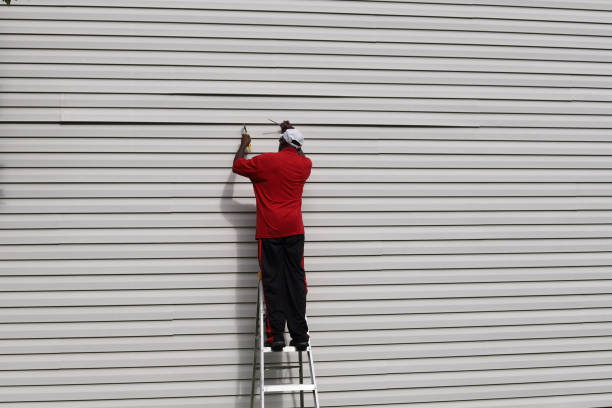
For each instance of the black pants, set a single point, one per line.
(284, 283)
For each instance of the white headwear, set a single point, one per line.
(293, 137)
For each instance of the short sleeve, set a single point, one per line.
(250, 168)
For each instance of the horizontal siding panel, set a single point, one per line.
(310, 48)
(226, 280)
(324, 248)
(565, 401)
(501, 391)
(316, 219)
(570, 401)
(218, 235)
(357, 7)
(372, 147)
(145, 205)
(108, 346)
(331, 104)
(417, 70)
(196, 373)
(600, 5)
(327, 293)
(363, 263)
(316, 323)
(372, 162)
(531, 381)
(498, 352)
(408, 337)
(122, 375)
(310, 19)
(149, 374)
(385, 382)
(346, 338)
(180, 188)
(337, 77)
(259, 129)
(320, 33)
(209, 255)
(249, 280)
(274, 88)
(550, 401)
(50, 314)
(558, 4)
(158, 60)
(561, 177)
(501, 349)
(317, 117)
(75, 251)
(318, 308)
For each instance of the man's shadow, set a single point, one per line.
(242, 216)
(243, 220)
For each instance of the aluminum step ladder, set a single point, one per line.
(261, 351)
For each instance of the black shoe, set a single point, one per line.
(299, 345)
(276, 345)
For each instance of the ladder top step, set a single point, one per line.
(289, 387)
(287, 349)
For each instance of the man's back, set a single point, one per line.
(278, 180)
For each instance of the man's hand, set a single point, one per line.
(246, 139)
(244, 142)
(285, 125)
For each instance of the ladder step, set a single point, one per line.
(287, 349)
(278, 366)
(289, 387)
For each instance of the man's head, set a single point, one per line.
(290, 137)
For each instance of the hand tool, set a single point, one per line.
(276, 132)
(244, 132)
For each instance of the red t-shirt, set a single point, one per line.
(278, 180)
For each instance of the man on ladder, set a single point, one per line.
(278, 180)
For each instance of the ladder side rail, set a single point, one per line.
(301, 379)
(315, 392)
(255, 351)
(261, 344)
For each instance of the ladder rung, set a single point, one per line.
(289, 387)
(278, 366)
(287, 349)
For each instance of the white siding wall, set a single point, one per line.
(459, 214)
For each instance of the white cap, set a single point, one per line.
(293, 137)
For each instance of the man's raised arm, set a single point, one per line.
(246, 140)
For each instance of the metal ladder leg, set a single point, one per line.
(315, 393)
(301, 378)
(258, 348)
(255, 353)
(261, 344)
(255, 349)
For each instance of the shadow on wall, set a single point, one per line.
(245, 276)
(242, 216)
